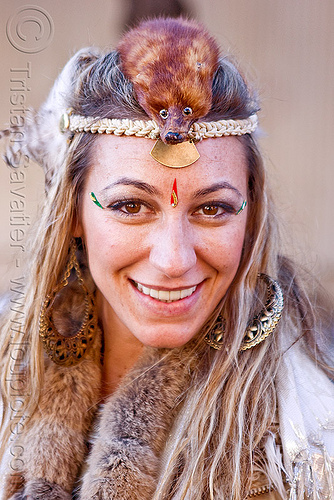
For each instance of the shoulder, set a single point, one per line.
(305, 398)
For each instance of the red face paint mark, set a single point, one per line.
(174, 199)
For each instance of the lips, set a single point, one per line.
(165, 295)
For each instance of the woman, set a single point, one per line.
(156, 359)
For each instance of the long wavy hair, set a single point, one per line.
(216, 441)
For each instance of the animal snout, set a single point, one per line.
(174, 137)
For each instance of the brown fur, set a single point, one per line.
(135, 421)
(133, 428)
(42, 490)
(54, 443)
(14, 482)
(171, 63)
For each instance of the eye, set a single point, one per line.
(187, 111)
(215, 210)
(210, 209)
(164, 114)
(132, 207)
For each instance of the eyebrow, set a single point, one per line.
(148, 188)
(216, 187)
(126, 181)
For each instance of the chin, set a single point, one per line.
(167, 340)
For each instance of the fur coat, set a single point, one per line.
(133, 425)
(129, 430)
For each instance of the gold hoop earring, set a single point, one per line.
(68, 351)
(266, 321)
(261, 326)
(215, 337)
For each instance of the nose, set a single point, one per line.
(173, 249)
(173, 138)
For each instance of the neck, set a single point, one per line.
(121, 348)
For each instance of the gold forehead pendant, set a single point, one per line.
(175, 155)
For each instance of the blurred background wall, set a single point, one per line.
(286, 47)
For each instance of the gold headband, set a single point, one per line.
(175, 156)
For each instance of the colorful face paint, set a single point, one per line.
(95, 200)
(244, 203)
(174, 199)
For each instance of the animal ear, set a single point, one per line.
(41, 139)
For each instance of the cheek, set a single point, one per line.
(98, 240)
(109, 246)
(224, 249)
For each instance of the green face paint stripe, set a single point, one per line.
(244, 203)
(95, 200)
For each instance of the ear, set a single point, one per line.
(77, 229)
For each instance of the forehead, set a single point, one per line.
(220, 159)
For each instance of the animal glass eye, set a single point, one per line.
(163, 113)
(187, 111)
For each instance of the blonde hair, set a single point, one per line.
(231, 403)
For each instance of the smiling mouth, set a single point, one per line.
(165, 295)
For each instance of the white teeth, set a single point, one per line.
(165, 295)
(187, 292)
(175, 295)
(146, 290)
(154, 293)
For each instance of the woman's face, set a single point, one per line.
(161, 270)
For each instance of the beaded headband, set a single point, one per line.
(175, 156)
